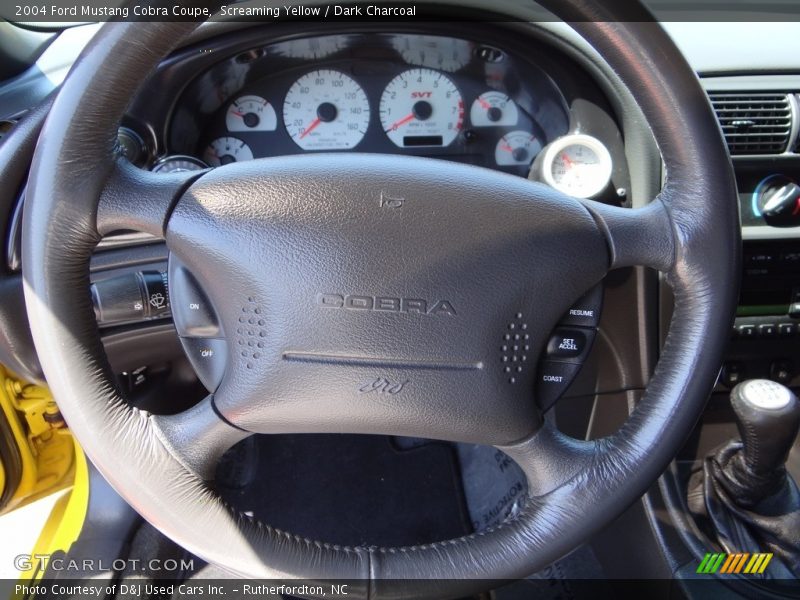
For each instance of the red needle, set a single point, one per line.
(566, 159)
(401, 122)
(238, 114)
(311, 127)
(484, 103)
(507, 148)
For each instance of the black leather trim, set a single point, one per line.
(16, 345)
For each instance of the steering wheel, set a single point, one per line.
(314, 282)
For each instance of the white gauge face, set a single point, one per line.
(578, 165)
(517, 148)
(315, 47)
(422, 107)
(493, 109)
(251, 113)
(177, 163)
(225, 150)
(435, 52)
(326, 110)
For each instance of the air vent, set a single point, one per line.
(754, 123)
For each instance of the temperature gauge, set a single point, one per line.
(578, 165)
(517, 148)
(251, 113)
(493, 109)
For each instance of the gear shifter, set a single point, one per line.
(743, 497)
(768, 418)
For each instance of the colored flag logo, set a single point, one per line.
(743, 562)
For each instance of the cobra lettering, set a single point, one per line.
(387, 304)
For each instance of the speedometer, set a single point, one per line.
(422, 107)
(326, 110)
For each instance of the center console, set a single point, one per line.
(760, 117)
(765, 341)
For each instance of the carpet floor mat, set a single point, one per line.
(348, 489)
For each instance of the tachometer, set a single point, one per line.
(251, 113)
(225, 150)
(326, 110)
(422, 107)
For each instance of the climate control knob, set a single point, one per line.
(777, 200)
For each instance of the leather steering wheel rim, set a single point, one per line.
(78, 191)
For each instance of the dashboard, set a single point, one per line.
(402, 93)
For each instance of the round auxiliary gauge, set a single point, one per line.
(421, 107)
(578, 165)
(225, 150)
(493, 109)
(177, 163)
(251, 113)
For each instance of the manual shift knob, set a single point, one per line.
(768, 418)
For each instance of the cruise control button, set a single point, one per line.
(570, 343)
(553, 379)
(586, 311)
(208, 357)
(787, 329)
(191, 310)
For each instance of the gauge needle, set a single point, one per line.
(238, 114)
(484, 103)
(311, 127)
(401, 122)
(507, 148)
(566, 159)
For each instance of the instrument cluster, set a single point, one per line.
(401, 93)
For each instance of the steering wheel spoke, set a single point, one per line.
(550, 459)
(198, 437)
(636, 237)
(140, 200)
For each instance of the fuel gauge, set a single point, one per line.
(517, 148)
(225, 150)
